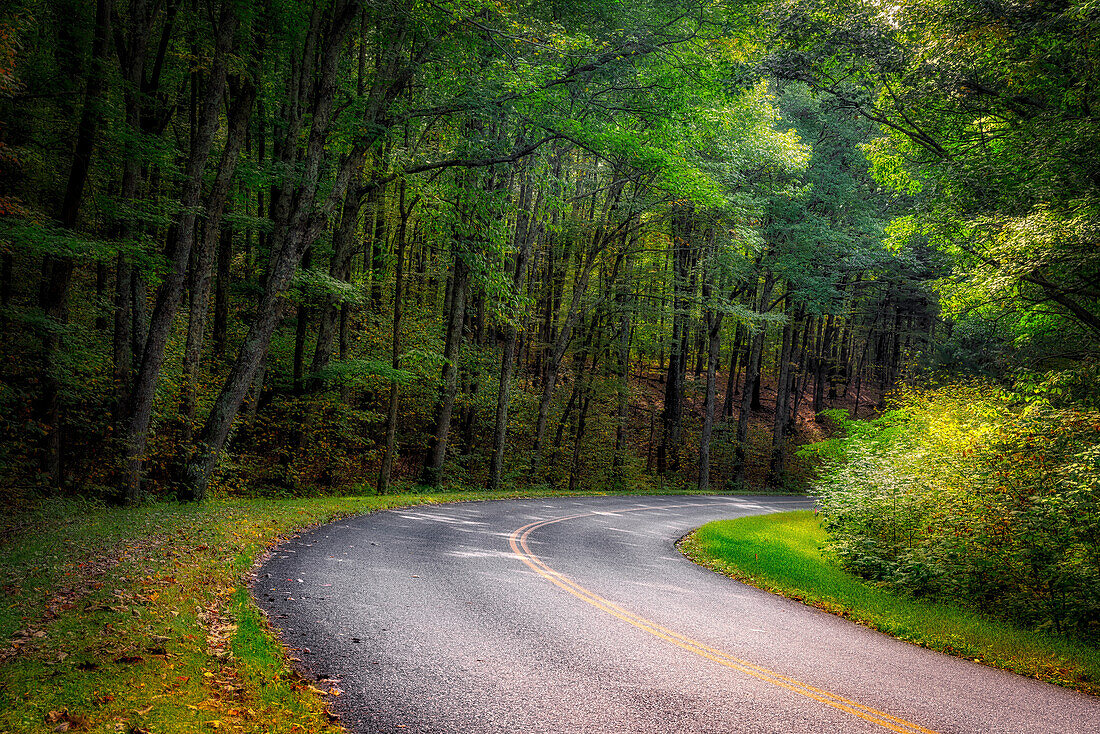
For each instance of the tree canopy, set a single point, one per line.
(281, 247)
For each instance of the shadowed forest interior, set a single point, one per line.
(276, 248)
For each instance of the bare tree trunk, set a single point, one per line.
(575, 464)
(782, 409)
(452, 352)
(122, 361)
(302, 316)
(525, 234)
(553, 362)
(377, 251)
(668, 452)
(344, 249)
(622, 413)
(220, 331)
(752, 378)
(400, 236)
(802, 362)
(731, 378)
(824, 346)
(580, 360)
(714, 343)
(600, 240)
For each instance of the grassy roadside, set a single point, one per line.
(139, 619)
(781, 553)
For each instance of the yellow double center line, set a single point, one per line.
(518, 541)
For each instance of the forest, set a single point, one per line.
(283, 248)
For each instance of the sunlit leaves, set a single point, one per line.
(312, 285)
(966, 479)
(988, 121)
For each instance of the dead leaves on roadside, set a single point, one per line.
(64, 721)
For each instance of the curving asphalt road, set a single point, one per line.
(579, 615)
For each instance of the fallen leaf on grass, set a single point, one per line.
(128, 659)
(63, 720)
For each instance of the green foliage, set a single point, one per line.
(987, 117)
(311, 285)
(967, 492)
(605, 137)
(364, 373)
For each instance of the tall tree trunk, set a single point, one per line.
(821, 363)
(344, 244)
(580, 360)
(777, 465)
(298, 222)
(400, 237)
(622, 412)
(452, 352)
(802, 362)
(524, 236)
(212, 235)
(714, 343)
(601, 238)
(553, 361)
(668, 453)
(140, 406)
(378, 246)
(301, 325)
(575, 464)
(220, 331)
(122, 361)
(731, 378)
(752, 378)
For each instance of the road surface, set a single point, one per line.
(579, 615)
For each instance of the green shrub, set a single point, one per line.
(972, 493)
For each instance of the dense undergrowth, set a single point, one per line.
(974, 493)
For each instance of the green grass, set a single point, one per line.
(139, 619)
(782, 553)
